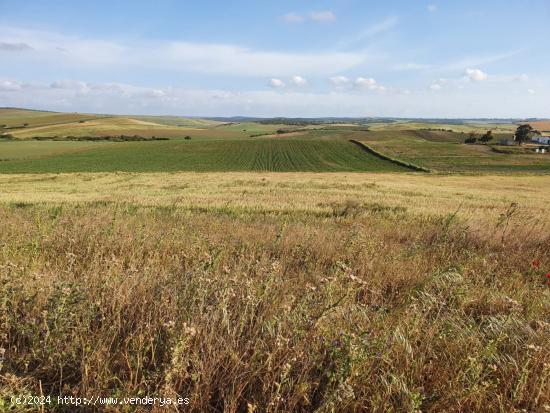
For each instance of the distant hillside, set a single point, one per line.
(26, 123)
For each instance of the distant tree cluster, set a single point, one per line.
(485, 138)
(437, 129)
(117, 138)
(472, 138)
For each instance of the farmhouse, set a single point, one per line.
(542, 139)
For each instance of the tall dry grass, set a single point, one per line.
(363, 307)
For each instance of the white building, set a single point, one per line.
(542, 139)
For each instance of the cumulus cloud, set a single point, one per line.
(368, 83)
(297, 80)
(521, 78)
(158, 92)
(438, 84)
(124, 98)
(475, 75)
(14, 47)
(9, 85)
(293, 18)
(322, 16)
(276, 83)
(339, 80)
(70, 85)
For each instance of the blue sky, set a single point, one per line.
(278, 58)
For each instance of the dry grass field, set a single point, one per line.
(543, 126)
(274, 292)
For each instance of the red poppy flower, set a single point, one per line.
(535, 263)
(548, 276)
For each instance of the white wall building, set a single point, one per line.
(542, 139)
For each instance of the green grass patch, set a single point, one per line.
(278, 155)
(446, 152)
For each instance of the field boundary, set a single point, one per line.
(399, 162)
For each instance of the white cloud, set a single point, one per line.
(276, 83)
(322, 16)
(158, 93)
(369, 83)
(438, 84)
(475, 75)
(365, 82)
(293, 18)
(432, 8)
(70, 85)
(521, 78)
(14, 47)
(531, 91)
(9, 85)
(339, 80)
(297, 80)
(58, 51)
(237, 60)
(125, 99)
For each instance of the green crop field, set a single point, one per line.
(248, 146)
(285, 155)
(446, 152)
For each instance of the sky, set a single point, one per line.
(294, 58)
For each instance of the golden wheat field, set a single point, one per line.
(277, 292)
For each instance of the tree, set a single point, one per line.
(487, 137)
(471, 138)
(524, 133)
